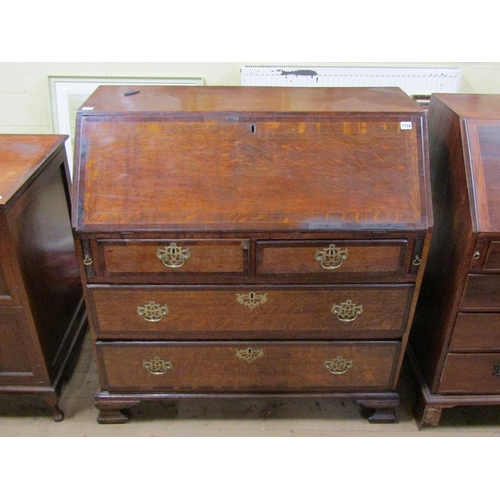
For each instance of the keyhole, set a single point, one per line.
(253, 128)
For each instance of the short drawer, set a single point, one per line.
(481, 292)
(4, 291)
(476, 331)
(242, 312)
(471, 373)
(331, 258)
(254, 366)
(492, 259)
(122, 258)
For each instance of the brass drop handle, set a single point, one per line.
(347, 311)
(87, 261)
(338, 365)
(152, 311)
(331, 257)
(417, 261)
(173, 256)
(476, 255)
(157, 366)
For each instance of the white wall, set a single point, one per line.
(25, 96)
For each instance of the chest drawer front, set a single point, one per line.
(492, 259)
(476, 331)
(211, 313)
(4, 291)
(481, 292)
(163, 257)
(471, 373)
(235, 366)
(332, 258)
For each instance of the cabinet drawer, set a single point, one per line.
(160, 257)
(481, 292)
(331, 258)
(476, 331)
(492, 259)
(471, 373)
(255, 366)
(243, 312)
(4, 291)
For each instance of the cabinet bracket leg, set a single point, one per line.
(381, 412)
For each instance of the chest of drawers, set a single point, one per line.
(250, 242)
(42, 314)
(455, 342)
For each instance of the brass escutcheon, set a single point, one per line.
(347, 311)
(251, 299)
(338, 365)
(331, 257)
(173, 255)
(152, 311)
(157, 366)
(249, 354)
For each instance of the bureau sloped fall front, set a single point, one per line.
(250, 242)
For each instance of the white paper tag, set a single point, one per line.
(87, 108)
(405, 125)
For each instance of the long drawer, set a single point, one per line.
(471, 373)
(476, 331)
(235, 366)
(309, 312)
(482, 292)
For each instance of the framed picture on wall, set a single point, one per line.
(67, 94)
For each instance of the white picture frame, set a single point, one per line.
(68, 93)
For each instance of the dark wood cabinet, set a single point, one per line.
(455, 341)
(42, 313)
(250, 242)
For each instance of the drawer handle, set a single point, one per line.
(417, 261)
(347, 311)
(251, 299)
(87, 261)
(157, 366)
(496, 369)
(338, 365)
(249, 354)
(152, 311)
(331, 257)
(173, 255)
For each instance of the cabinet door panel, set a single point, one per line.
(15, 365)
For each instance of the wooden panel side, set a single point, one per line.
(451, 246)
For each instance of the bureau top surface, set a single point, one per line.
(250, 158)
(21, 157)
(479, 120)
(221, 99)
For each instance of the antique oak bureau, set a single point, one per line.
(455, 342)
(250, 242)
(42, 314)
